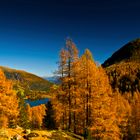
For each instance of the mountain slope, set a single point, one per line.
(129, 52)
(26, 80)
(53, 79)
(123, 68)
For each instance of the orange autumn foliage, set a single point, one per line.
(83, 101)
(36, 115)
(8, 102)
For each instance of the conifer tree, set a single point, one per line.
(68, 56)
(104, 118)
(23, 116)
(83, 102)
(49, 120)
(36, 115)
(135, 118)
(87, 70)
(8, 102)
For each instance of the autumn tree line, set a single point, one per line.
(83, 103)
(14, 111)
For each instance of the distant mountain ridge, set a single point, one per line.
(129, 52)
(26, 79)
(53, 79)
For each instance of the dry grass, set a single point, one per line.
(43, 135)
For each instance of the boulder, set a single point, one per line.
(27, 131)
(32, 135)
(19, 128)
(16, 137)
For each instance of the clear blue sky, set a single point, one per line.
(32, 32)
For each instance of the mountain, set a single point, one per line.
(27, 80)
(53, 79)
(123, 68)
(129, 52)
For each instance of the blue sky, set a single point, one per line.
(32, 32)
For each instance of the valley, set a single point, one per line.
(84, 100)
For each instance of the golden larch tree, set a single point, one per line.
(8, 102)
(36, 115)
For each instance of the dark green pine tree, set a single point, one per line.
(23, 117)
(49, 119)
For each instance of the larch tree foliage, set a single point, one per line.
(123, 113)
(104, 118)
(87, 70)
(67, 63)
(36, 115)
(96, 100)
(59, 107)
(135, 119)
(8, 102)
(72, 56)
(84, 101)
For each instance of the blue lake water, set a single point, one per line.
(36, 102)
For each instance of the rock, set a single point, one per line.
(19, 128)
(25, 137)
(31, 135)
(45, 136)
(17, 137)
(27, 131)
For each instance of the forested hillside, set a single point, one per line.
(27, 80)
(125, 76)
(123, 68)
(34, 87)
